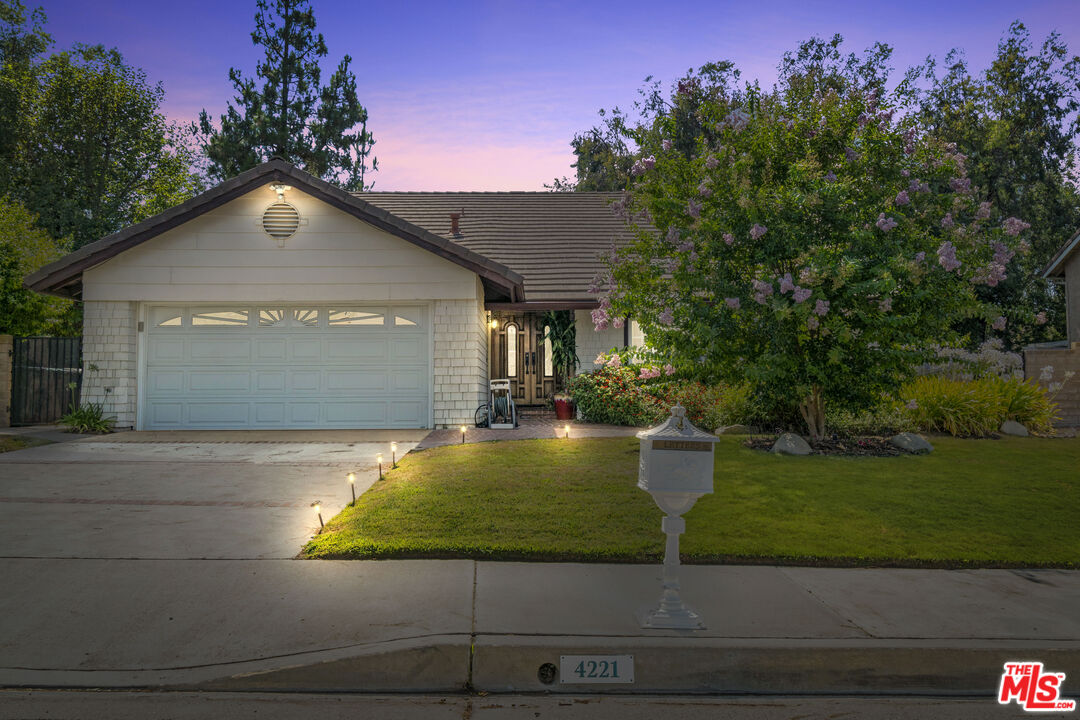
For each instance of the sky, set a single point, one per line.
(487, 95)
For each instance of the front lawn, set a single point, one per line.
(8, 443)
(970, 503)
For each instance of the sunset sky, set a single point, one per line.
(486, 95)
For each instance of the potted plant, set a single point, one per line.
(564, 359)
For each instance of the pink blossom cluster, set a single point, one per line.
(733, 303)
(1040, 318)
(821, 308)
(786, 285)
(666, 144)
(762, 290)
(885, 224)
(614, 361)
(729, 238)
(917, 186)
(947, 256)
(961, 185)
(757, 231)
(666, 317)
(983, 212)
(999, 323)
(801, 295)
(885, 305)
(712, 162)
(647, 373)
(693, 209)
(920, 256)
(600, 315)
(812, 322)
(1014, 226)
(994, 273)
(704, 190)
(830, 177)
(902, 198)
(947, 221)
(669, 369)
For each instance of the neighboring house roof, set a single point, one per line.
(554, 240)
(1056, 266)
(64, 277)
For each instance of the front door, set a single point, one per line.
(519, 352)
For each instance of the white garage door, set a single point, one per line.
(286, 367)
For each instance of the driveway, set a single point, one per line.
(178, 495)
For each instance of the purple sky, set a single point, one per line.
(486, 95)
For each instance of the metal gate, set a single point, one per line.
(42, 370)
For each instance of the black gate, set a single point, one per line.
(42, 370)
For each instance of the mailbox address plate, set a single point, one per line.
(682, 445)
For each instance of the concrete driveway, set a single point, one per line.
(183, 495)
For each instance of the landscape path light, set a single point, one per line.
(351, 477)
(566, 429)
(462, 434)
(378, 459)
(317, 505)
(393, 454)
(676, 468)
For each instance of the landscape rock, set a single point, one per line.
(738, 430)
(1011, 427)
(912, 443)
(790, 444)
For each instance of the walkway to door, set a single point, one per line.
(531, 426)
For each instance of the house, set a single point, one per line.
(1063, 356)
(277, 300)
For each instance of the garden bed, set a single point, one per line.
(849, 447)
(971, 503)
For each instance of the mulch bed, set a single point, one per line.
(856, 446)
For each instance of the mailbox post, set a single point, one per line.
(676, 468)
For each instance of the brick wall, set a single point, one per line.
(1062, 360)
(110, 369)
(460, 360)
(5, 380)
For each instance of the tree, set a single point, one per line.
(808, 242)
(24, 247)
(20, 47)
(320, 128)
(1017, 124)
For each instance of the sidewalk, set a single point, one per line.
(442, 626)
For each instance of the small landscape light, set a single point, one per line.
(378, 459)
(351, 477)
(566, 429)
(393, 453)
(462, 434)
(317, 505)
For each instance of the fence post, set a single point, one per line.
(6, 346)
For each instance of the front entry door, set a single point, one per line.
(519, 352)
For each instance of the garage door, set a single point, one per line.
(286, 367)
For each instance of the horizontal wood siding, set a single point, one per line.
(225, 256)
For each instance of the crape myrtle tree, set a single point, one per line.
(809, 242)
(287, 112)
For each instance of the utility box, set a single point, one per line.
(676, 457)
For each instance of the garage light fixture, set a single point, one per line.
(351, 477)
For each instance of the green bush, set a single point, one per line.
(89, 418)
(975, 407)
(883, 420)
(615, 396)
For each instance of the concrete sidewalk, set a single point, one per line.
(444, 626)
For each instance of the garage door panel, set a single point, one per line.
(307, 374)
(220, 349)
(231, 382)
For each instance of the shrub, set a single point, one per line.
(886, 419)
(707, 406)
(615, 395)
(89, 418)
(976, 407)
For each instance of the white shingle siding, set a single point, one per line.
(459, 357)
(110, 364)
(591, 342)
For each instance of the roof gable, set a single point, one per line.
(64, 276)
(1056, 266)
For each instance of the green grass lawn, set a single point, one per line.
(1014, 501)
(14, 442)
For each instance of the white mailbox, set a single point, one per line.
(676, 457)
(676, 468)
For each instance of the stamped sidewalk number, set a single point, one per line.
(596, 669)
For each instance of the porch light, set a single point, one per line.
(393, 454)
(317, 506)
(462, 434)
(494, 324)
(378, 459)
(351, 477)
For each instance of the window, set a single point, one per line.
(167, 317)
(233, 318)
(511, 351)
(637, 336)
(356, 317)
(548, 369)
(407, 317)
(271, 318)
(308, 317)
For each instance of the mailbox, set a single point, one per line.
(676, 468)
(676, 457)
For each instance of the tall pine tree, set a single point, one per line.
(286, 112)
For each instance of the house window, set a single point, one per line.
(231, 318)
(637, 336)
(511, 351)
(356, 317)
(548, 369)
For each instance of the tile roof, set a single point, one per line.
(554, 240)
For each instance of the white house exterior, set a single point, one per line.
(360, 318)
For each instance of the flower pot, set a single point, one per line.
(564, 408)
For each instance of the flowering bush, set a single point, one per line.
(623, 392)
(809, 243)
